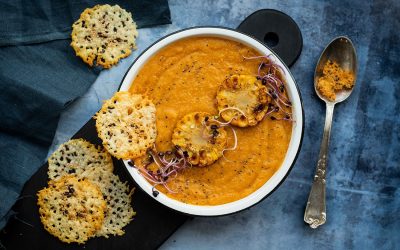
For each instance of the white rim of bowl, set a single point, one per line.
(294, 145)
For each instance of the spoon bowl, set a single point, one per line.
(342, 51)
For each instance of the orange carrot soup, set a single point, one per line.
(184, 77)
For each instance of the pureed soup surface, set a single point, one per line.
(183, 78)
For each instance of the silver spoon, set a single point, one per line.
(342, 51)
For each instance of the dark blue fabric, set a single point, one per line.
(36, 83)
(26, 22)
(39, 76)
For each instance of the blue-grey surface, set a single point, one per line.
(363, 197)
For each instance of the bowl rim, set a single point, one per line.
(210, 213)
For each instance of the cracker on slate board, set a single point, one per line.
(71, 209)
(76, 156)
(118, 196)
(85, 160)
(103, 35)
(247, 95)
(200, 138)
(127, 125)
(142, 233)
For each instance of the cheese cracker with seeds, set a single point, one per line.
(71, 209)
(76, 156)
(126, 123)
(103, 35)
(118, 196)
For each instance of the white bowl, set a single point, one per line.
(294, 145)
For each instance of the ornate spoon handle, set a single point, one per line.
(315, 213)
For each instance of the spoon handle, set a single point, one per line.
(315, 213)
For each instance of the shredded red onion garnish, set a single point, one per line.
(268, 72)
(257, 57)
(232, 108)
(168, 165)
(227, 124)
(235, 142)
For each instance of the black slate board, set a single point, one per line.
(153, 224)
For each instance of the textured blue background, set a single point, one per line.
(363, 197)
